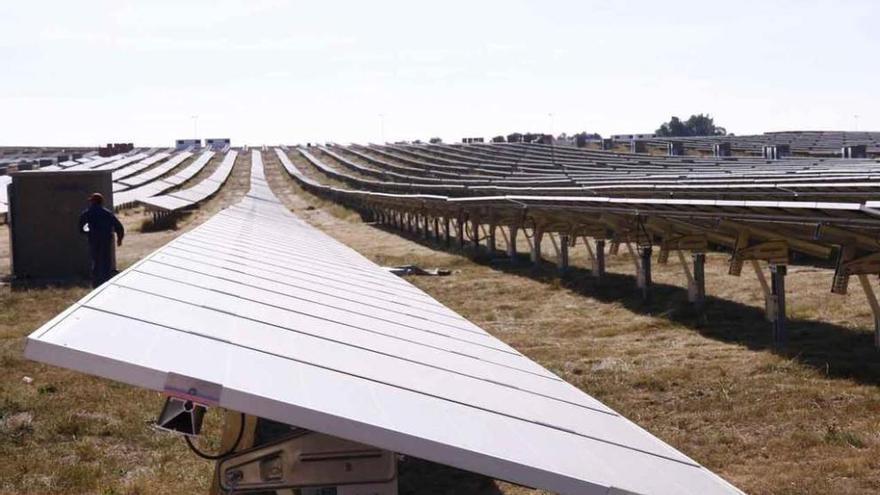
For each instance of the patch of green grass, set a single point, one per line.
(835, 435)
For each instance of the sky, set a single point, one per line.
(87, 72)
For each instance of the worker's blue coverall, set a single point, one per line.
(102, 223)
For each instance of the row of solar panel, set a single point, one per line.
(352, 351)
(821, 181)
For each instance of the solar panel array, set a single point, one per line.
(155, 181)
(192, 196)
(146, 177)
(815, 204)
(39, 156)
(820, 143)
(355, 352)
(301, 329)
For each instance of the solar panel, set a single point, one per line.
(191, 196)
(146, 185)
(298, 328)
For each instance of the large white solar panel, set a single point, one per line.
(301, 329)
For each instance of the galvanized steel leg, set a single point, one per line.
(697, 287)
(537, 236)
(475, 230)
(644, 274)
(490, 240)
(564, 241)
(511, 241)
(599, 260)
(769, 305)
(459, 224)
(777, 289)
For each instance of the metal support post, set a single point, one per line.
(537, 235)
(875, 306)
(769, 306)
(644, 277)
(697, 290)
(475, 231)
(562, 260)
(511, 241)
(696, 279)
(490, 239)
(459, 228)
(777, 289)
(599, 260)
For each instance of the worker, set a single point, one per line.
(102, 223)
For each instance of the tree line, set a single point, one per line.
(695, 125)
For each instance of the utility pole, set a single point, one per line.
(552, 140)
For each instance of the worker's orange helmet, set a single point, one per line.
(96, 198)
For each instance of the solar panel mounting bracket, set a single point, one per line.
(186, 403)
(306, 459)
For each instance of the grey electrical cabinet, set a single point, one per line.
(44, 209)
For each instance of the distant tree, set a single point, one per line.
(696, 125)
(704, 125)
(674, 128)
(435, 140)
(498, 139)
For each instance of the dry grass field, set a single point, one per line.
(803, 420)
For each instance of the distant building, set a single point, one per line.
(630, 137)
(182, 144)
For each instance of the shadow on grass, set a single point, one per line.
(165, 222)
(834, 350)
